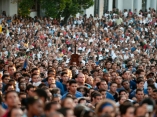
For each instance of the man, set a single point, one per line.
(81, 80)
(35, 79)
(1, 85)
(127, 76)
(155, 94)
(126, 110)
(30, 90)
(72, 90)
(113, 90)
(5, 80)
(139, 95)
(103, 93)
(11, 99)
(118, 80)
(51, 107)
(66, 112)
(96, 97)
(52, 80)
(140, 85)
(102, 85)
(64, 78)
(9, 87)
(126, 86)
(11, 70)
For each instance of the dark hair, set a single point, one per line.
(124, 107)
(29, 87)
(20, 78)
(124, 81)
(41, 93)
(72, 82)
(138, 90)
(48, 105)
(6, 94)
(16, 73)
(152, 86)
(34, 70)
(148, 101)
(112, 83)
(139, 81)
(4, 76)
(81, 99)
(33, 75)
(10, 111)
(63, 111)
(122, 90)
(94, 94)
(31, 101)
(26, 75)
(63, 73)
(8, 85)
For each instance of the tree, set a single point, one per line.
(24, 7)
(65, 8)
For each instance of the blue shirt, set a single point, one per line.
(134, 93)
(77, 95)
(109, 96)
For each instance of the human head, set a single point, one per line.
(41, 93)
(102, 85)
(96, 97)
(15, 112)
(34, 105)
(126, 84)
(126, 110)
(80, 78)
(11, 70)
(139, 95)
(30, 90)
(68, 102)
(72, 86)
(106, 107)
(67, 112)
(11, 99)
(5, 79)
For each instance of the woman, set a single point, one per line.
(34, 106)
(68, 102)
(15, 112)
(106, 107)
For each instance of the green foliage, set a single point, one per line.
(24, 7)
(65, 8)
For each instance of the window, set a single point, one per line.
(105, 6)
(96, 7)
(144, 4)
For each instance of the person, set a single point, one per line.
(30, 90)
(96, 97)
(139, 95)
(106, 107)
(34, 106)
(113, 90)
(15, 112)
(121, 100)
(51, 107)
(66, 112)
(72, 90)
(68, 102)
(126, 110)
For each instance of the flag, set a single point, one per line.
(25, 64)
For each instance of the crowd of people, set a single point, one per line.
(116, 75)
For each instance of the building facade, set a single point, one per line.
(99, 7)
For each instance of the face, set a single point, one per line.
(103, 93)
(150, 91)
(118, 80)
(17, 76)
(10, 88)
(11, 70)
(23, 86)
(69, 103)
(81, 78)
(65, 78)
(130, 112)
(35, 78)
(122, 100)
(51, 80)
(1, 85)
(140, 85)
(16, 113)
(126, 85)
(113, 87)
(30, 92)
(103, 85)
(73, 87)
(126, 75)
(57, 99)
(108, 110)
(98, 99)
(37, 107)
(6, 80)
(155, 95)
(140, 95)
(70, 113)
(12, 99)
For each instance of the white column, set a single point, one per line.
(128, 4)
(148, 4)
(101, 8)
(89, 11)
(13, 8)
(138, 5)
(119, 5)
(153, 4)
(110, 5)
